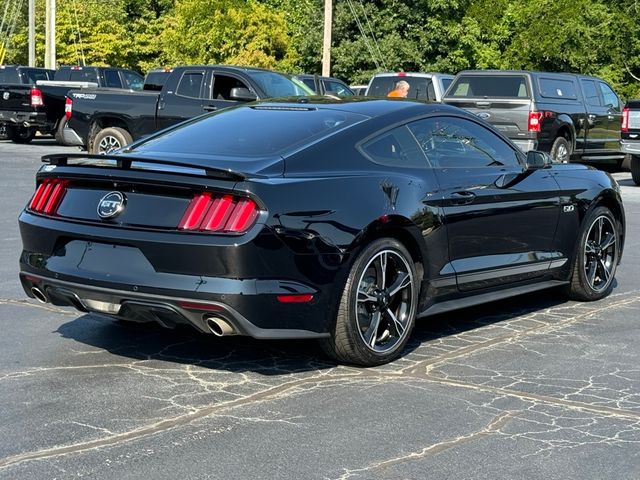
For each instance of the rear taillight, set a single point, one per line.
(36, 98)
(534, 121)
(48, 196)
(68, 107)
(624, 128)
(219, 213)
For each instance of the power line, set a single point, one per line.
(364, 35)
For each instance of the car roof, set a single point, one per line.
(413, 74)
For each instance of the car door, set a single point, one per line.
(500, 217)
(187, 100)
(597, 117)
(613, 112)
(222, 84)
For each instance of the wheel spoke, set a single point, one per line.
(609, 240)
(371, 336)
(403, 281)
(399, 327)
(591, 272)
(365, 297)
(382, 262)
(599, 231)
(605, 269)
(589, 248)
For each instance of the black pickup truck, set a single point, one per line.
(11, 76)
(28, 108)
(630, 133)
(571, 117)
(102, 121)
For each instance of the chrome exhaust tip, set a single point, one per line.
(39, 294)
(220, 327)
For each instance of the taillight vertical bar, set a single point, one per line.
(624, 128)
(242, 216)
(45, 196)
(55, 198)
(68, 107)
(196, 210)
(38, 195)
(218, 213)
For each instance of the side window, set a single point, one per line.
(223, 84)
(396, 148)
(309, 83)
(190, 84)
(112, 79)
(336, 88)
(590, 92)
(451, 142)
(82, 75)
(610, 98)
(132, 80)
(431, 92)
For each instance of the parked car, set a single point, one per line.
(630, 141)
(42, 108)
(358, 89)
(422, 86)
(10, 77)
(572, 117)
(330, 219)
(325, 85)
(102, 121)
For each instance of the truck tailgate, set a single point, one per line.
(15, 98)
(511, 117)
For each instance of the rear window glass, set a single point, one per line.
(155, 80)
(83, 76)
(446, 82)
(499, 86)
(33, 75)
(9, 75)
(255, 131)
(557, 88)
(419, 87)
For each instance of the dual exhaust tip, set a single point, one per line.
(39, 295)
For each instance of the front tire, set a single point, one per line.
(109, 139)
(561, 150)
(635, 169)
(596, 257)
(378, 306)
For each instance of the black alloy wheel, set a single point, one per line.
(378, 306)
(597, 256)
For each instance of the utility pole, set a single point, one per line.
(326, 44)
(50, 36)
(32, 33)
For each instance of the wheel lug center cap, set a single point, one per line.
(383, 299)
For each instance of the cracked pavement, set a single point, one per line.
(533, 387)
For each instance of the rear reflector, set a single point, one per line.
(36, 98)
(219, 213)
(48, 196)
(301, 298)
(624, 128)
(201, 306)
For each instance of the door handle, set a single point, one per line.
(462, 198)
(610, 117)
(209, 108)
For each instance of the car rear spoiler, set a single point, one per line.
(127, 163)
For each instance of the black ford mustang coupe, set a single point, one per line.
(313, 218)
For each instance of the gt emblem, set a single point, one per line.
(111, 204)
(568, 208)
(5, 96)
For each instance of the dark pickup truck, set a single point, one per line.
(630, 137)
(27, 108)
(102, 121)
(10, 77)
(571, 117)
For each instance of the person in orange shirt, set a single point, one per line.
(400, 91)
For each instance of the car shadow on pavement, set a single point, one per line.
(275, 357)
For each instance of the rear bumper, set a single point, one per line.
(526, 145)
(23, 119)
(630, 146)
(70, 137)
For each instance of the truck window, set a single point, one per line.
(419, 87)
(9, 75)
(82, 75)
(132, 80)
(32, 75)
(222, 85)
(190, 84)
(590, 92)
(445, 83)
(112, 79)
(557, 88)
(610, 98)
(491, 86)
(336, 88)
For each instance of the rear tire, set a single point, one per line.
(560, 150)
(20, 134)
(3, 132)
(378, 306)
(60, 130)
(110, 139)
(635, 169)
(596, 257)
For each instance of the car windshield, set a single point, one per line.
(260, 130)
(276, 85)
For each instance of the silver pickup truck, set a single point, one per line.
(630, 136)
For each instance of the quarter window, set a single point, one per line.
(396, 148)
(190, 84)
(591, 93)
(112, 79)
(451, 142)
(610, 98)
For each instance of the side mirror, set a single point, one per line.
(242, 94)
(537, 160)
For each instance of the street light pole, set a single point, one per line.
(50, 40)
(326, 44)
(32, 33)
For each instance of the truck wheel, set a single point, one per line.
(59, 131)
(20, 134)
(635, 169)
(110, 139)
(560, 150)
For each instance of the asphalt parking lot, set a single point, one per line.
(536, 387)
